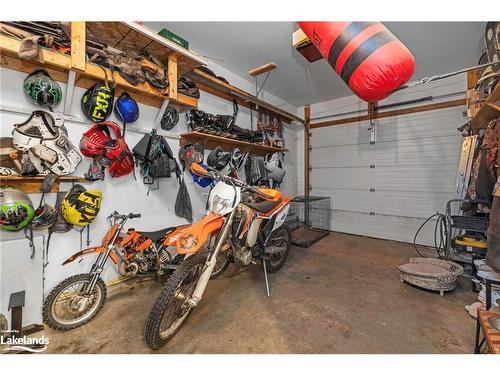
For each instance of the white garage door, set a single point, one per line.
(387, 189)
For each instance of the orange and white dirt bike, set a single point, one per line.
(244, 225)
(76, 300)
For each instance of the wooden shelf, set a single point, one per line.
(227, 144)
(132, 36)
(58, 65)
(489, 111)
(33, 184)
(216, 87)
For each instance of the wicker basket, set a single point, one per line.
(433, 274)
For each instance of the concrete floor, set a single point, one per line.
(342, 295)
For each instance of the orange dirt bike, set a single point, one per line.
(244, 225)
(76, 300)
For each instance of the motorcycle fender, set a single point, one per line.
(192, 238)
(171, 238)
(280, 217)
(253, 232)
(91, 250)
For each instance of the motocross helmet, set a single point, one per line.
(97, 102)
(126, 108)
(16, 209)
(40, 89)
(218, 159)
(190, 153)
(169, 119)
(255, 170)
(274, 167)
(81, 206)
(45, 217)
(202, 181)
(238, 158)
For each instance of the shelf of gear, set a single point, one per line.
(210, 142)
(76, 71)
(488, 111)
(33, 184)
(215, 86)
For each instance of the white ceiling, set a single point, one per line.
(438, 47)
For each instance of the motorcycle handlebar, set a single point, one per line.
(129, 216)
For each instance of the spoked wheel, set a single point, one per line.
(172, 308)
(67, 307)
(278, 247)
(221, 264)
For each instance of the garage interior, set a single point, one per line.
(391, 207)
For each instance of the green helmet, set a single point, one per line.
(16, 209)
(41, 89)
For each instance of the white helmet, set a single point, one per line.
(274, 167)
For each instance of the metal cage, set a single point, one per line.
(309, 219)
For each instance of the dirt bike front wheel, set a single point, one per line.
(172, 308)
(68, 307)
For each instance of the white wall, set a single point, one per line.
(124, 194)
(415, 157)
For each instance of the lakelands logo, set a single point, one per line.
(24, 343)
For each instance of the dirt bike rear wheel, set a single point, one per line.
(281, 237)
(171, 308)
(66, 307)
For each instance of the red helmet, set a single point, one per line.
(109, 148)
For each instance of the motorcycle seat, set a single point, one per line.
(261, 206)
(157, 234)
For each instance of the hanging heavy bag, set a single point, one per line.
(367, 56)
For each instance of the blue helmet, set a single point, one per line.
(126, 108)
(202, 181)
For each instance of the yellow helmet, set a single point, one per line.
(80, 206)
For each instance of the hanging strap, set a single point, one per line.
(427, 80)
(28, 233)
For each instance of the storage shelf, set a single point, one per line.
(227, 144)
(59, 65)
(216, 87)
(489, 110)
(33, 184)
(132, 36)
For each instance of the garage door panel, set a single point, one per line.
(346, 199)
(343, 178)
(355, 133)
(381, 226)
(411, 171)
(419, 125)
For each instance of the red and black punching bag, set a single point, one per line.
(367, 56)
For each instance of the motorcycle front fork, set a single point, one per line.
(210, 263)
(98, 268)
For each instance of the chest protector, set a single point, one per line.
(45, 139)
(104, 142)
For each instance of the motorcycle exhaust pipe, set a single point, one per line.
(128, 269)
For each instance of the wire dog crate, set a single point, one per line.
(309, 219)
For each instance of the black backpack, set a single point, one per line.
(154, 156)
